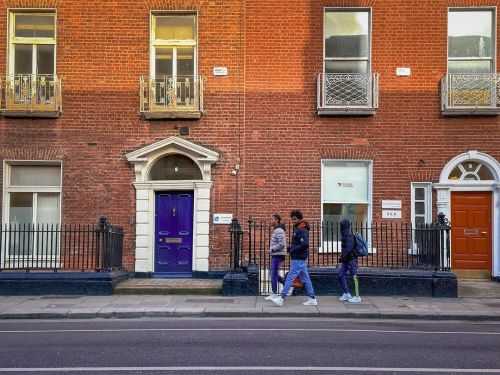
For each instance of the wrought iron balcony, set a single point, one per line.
(470, 94)
(30, 95)
(164, 97)
(347, 94)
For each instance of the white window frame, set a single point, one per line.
(7, 189)
(427, 186)
(354, 9)
(33, 41)
(174, 43)
(332, 246)
(493, 10)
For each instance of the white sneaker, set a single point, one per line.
(355, 299)
(311, 302)
(278, 300)
(290, 291)
(270, 297)
(345, 297)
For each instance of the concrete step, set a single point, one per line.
(478, 288)
(169, 286)
(472, 274)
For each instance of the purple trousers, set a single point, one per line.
(352, 267)
(275, 277)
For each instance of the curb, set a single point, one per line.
(256, 313)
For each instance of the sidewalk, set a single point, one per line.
(138, 306)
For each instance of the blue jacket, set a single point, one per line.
(299, 249)
(347, 241)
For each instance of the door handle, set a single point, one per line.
(173, 211)
(484, 232)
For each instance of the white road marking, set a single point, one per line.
(255, 330)
(252, 368)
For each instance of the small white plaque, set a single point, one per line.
(392, 204)
(220, 71)
(391, 214)
(403, 72)
(223, 218)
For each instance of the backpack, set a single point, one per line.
(360, 246)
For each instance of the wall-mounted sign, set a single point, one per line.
(403, 72)
(391, 214)
(220, 71)
(223, 218)
(391, 204)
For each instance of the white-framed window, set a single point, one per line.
(421, 211)
(471, 40)
(347, 38)
(346, 194)
(32, 196)
(174, 56)
(32, 42)
(421, 203)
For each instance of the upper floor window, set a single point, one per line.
(173, 85)
(347, 86)
(32, 43)
(471, 41)
(173, 45)
(347, 41)
(31, 86)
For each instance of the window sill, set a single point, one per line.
(347, 111)
(30, 113)
(470, 111)
(170, 115)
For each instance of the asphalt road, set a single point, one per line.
(248, 346)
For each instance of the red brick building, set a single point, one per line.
(167, 116)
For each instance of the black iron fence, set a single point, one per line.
(390, 245)
(61, 247)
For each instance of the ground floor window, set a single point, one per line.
(32, 196)
(346, 194)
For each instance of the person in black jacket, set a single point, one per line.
(299, 252)
(348, 262)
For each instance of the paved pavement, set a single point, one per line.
(138, 306)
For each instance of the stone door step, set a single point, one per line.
(472, 274)
(169, 286)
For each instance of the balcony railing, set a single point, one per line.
(347, 93)
(171, 97)
(30, 95)
(470, 94)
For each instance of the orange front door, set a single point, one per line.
(471, 230)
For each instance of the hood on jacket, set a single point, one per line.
(345, 226)
(303, 224)
(280, 225)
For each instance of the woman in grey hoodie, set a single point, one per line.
(277, 249)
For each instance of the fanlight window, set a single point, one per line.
(175, 167)
(471, 171)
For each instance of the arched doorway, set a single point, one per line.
(468, 194)
(173, 182)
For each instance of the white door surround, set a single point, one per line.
(445, 186)
(142, 160)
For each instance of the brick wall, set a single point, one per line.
(261, 115)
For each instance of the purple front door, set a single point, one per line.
(174, 233)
